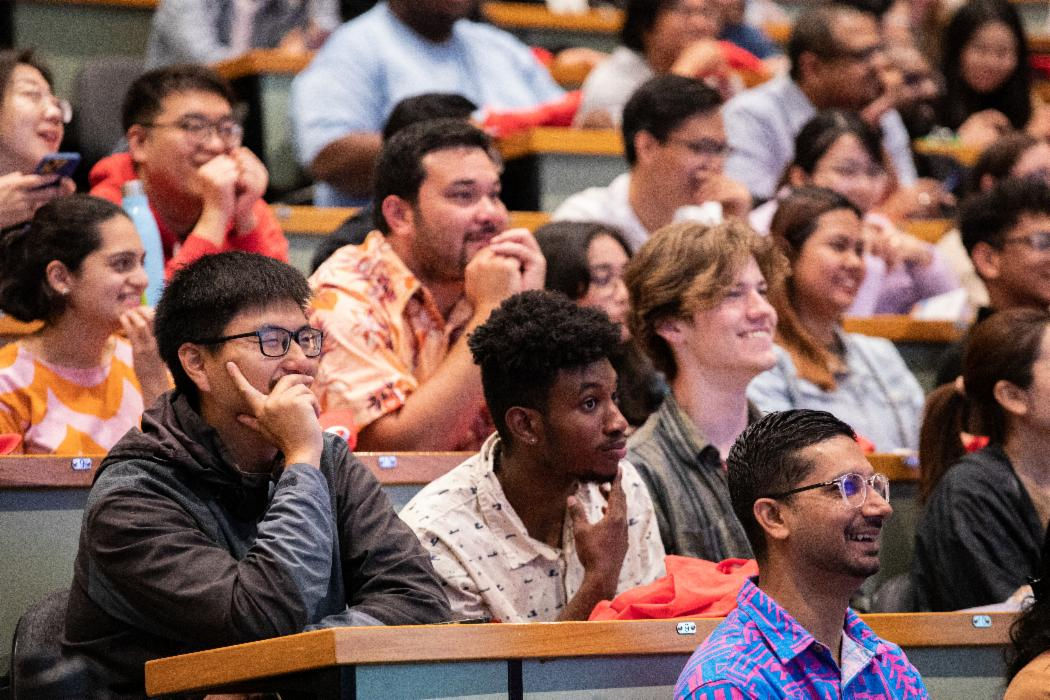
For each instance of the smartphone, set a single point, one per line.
(61, 164)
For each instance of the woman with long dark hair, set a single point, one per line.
(987, 78)
(986, 511)
(74, 386)
(860, 379)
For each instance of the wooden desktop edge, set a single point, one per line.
(446, 643)
(390, 468)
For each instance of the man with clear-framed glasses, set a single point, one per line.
(204, 187)
(813, 509)
(230, 516)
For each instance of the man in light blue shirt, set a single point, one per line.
(836, 57)
(397, 49)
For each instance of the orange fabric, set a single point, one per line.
(692, 588)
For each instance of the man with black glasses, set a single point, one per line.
(230, 517)
(813, 509)
(184, 144)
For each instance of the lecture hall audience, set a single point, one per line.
(700, 308)
(987, 511)
(548, 518)
(1028, 661)
(74, 386)
(434, 315)
(32, 124)
(862, 380)
(184, 144)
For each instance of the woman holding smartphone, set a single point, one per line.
(32, 124)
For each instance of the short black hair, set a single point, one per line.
(142, 102)
(765, 460)
(988, 216)
(429, 105)
(65, 229)
(399, 168)
(661, 104)
(204, 296)
(999, 159)
(639, 16)
(814, 33)
(10, 58)
(527, 341)
(564, 246)
(824, 129)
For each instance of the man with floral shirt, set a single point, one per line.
(396, 310)
(813, 510)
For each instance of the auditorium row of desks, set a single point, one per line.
(41, 503)
(958, 654)
(42, 500)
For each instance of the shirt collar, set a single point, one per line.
(517, 548)
(787, 638)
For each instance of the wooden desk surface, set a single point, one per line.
(445, 643)
(904, 329)
(13, 327)
(321, 221)
(390, 468)
(520, 15)
(965, 155)
(561, 140)
(929, 230)
(66, 472)
(259, 61)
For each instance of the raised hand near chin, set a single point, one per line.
(286, 417)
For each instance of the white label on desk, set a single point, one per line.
(686, 628)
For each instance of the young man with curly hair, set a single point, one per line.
(547, 519)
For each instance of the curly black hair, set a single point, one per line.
(528, 340)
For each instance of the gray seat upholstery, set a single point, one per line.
(39, 668)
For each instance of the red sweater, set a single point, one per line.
(110, 174)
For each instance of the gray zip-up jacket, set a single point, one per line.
(179, 551)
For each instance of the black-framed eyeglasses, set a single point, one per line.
(1038, 241)
(707, 148)
(199, 129)
(275, 341)
(853, 487)
(858, 55)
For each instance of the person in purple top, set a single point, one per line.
(813, 509)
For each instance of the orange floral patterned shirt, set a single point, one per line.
(384, 335)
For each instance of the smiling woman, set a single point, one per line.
(861, 380)
(32, 123)
(74, 387)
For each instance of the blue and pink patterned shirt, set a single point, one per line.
(760, 651)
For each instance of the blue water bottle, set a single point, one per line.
(137, 207)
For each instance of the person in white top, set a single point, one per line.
(547, 519)
(675, 145)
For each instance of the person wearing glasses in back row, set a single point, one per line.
(813, 510)
(205, 188)
(230, 516)
(1006, 233)
(675, 145)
